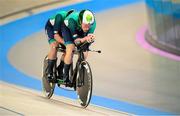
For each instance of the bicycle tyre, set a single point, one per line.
(84, 92)
(47, 87)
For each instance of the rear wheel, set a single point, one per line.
(84, 84)
(47, 87)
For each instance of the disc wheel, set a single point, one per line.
(84, 84)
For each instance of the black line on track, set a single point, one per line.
(11, 111)
(29, 9)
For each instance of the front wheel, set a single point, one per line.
(84, 84)
(47, 87)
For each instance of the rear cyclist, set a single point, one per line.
(53, 29)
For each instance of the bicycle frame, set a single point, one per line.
(78, 62)
(79, 52)
(80, 77)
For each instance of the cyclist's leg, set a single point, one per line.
(69, 42)
(52, 55)
(68, 60)
(60, 67)
(53, 49)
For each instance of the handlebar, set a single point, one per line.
(61, 48)
(98, 51)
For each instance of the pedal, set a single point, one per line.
(60, 81)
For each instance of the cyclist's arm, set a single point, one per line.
(72, 25)
(90, 36)
(57, 26)
(81, 40)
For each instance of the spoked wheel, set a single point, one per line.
(84, 84)
(47, 87)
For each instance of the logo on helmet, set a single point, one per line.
(88, 17)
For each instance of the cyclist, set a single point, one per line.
(53, 29)
(78, 27)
